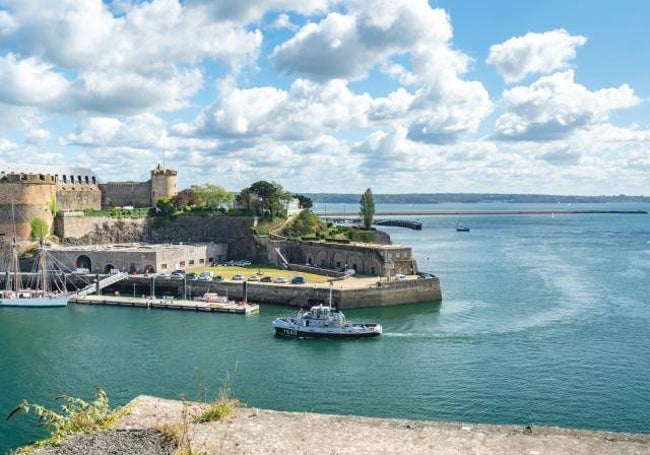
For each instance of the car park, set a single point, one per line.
(176, 275)
(191, 276)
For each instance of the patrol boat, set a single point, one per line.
(324, 322)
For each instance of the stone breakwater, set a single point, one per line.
(258, 431)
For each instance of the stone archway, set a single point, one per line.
(83, 262)
(108, 268)
(149, 269)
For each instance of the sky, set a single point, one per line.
(336, 96)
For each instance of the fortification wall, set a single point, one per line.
(78, 197)
(30, 199)
(365, 259)
(122, 194)
(235, 231)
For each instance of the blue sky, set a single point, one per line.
(333, 95)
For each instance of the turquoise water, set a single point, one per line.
(544, 320)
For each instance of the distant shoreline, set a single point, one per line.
(487, 212)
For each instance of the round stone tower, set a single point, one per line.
(30, 195)
(163, 183)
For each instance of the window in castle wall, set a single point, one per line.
(182, 263)
(163, 266)
(201, 261)
(191, 261)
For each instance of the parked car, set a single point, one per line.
(191, 276)
(176, 275)
(280, 280)
(253, 278)
(400, 277)
(179, 271)
(205, 276)
(298, 280)
(266, 279)
(238, 277)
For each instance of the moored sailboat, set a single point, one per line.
(43, 294)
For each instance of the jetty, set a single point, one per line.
(168, 304)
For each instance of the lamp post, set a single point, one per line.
(134, 290)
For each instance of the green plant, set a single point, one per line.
(39, 228)
(180, 434)
(224, 405)
(77, 416)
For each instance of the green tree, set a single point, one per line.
(164, 207)
(367, 209)
(270, 198)
(304, 201)
(212, 197)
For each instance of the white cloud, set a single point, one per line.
(304, 111)
(543, 53)
(29, 81)
(142, 131)
(348, 45)
(555, 106)
(122, 92)
(84, 34)
(254, 10)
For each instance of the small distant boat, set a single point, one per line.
(43, 294)
(460, 227)
(324, 322)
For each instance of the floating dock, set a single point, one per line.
(168, 304)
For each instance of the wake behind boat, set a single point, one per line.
(324, 322)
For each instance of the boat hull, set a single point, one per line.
(357, 331)
(34, 302)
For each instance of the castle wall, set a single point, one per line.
(30, 196)
(377, 260)
(78, 197)
(122, 194)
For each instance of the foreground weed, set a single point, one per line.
(180, 434)
(224, 405)
(77, 416)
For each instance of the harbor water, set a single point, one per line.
(544, 320)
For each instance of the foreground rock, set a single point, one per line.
(254, 431)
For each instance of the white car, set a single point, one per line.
(238, 277)
(400, 277)
(280, 280)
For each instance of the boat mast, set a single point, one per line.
(14, 254)
(331, 286)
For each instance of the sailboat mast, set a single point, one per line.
(14, 254)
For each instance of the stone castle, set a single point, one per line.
(40, 191)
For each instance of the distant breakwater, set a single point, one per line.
(490, 212)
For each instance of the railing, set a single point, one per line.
(101, 284)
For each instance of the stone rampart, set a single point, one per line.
(120, 194)
(344, 296)
(78, 197)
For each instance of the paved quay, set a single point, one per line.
(259, 431)
(168, 304)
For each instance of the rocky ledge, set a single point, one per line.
(257, 431)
